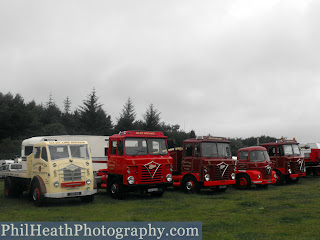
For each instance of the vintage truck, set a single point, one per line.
(137, 161)
(287, 161)
(254, 167)
(54, 169)
(311, 154)
(204, 161)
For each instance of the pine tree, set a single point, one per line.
(67, 105)
(126, 121)
(94, 120)
(151, 119)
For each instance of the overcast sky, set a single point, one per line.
(228, 68)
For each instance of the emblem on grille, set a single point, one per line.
(300, 162)
(268, 168)
(222, 168)
(150, 166)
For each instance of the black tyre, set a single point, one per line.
(191, 185)
(279, 178)
(243, 182)
(116, 189)
(87, 199)
(10, 189)
(316, 171)
(37, 195)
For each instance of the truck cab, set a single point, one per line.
(138, 160)
(254, 167)
(203, 162)
(54, 170)
(287, 161)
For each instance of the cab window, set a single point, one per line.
(188, 150)
(44, 154)
(36, 152)
(113, 149)
(243, 155)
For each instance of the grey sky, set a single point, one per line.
(228, 68)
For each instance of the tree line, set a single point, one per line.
(20, 120)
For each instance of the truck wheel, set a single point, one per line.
(87, 199)
(279, 178)
(243, 182)
(191, 185)
(37, 195)
(308, 171)
(316, 171)
(116, 189)
(10, 190)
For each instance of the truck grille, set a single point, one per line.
(72, 173)
(153, 175)
(222, 171)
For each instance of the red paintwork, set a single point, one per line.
(282, 162)
(147, 170)
(259, 172)
(73, 184)
(184, 166)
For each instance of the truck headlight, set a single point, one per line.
(233, 176)
(56, 184)
(207, 177)
(289, 171)
(169, 178)
(259, 176)
(88, 182)
(130, 180)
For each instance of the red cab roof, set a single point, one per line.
(207, 139)
(253, 148)
(140, 133)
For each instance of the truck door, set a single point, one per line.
(187, 160)
(243, 160)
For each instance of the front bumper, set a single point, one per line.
(297, 175)
(70, 194)
(218, 183)
(264, 182)
(141, 187)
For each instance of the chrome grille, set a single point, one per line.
(72, 173)
(151, 175)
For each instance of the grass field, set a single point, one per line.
(279, 212)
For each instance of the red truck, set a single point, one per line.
(311, 154)
(203, 162)
(254, 167)
(137, 160)
(287, 161)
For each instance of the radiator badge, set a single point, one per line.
(268, 168)
(222, 168)
(150, 166)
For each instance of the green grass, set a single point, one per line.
(279, 212)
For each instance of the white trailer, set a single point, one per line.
(98, 147)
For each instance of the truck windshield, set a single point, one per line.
(291, 149)
(142, 146)
(296, 149)
(135, 146)
(62, 151)
(157, 146)
(259, 156)
(212, 149)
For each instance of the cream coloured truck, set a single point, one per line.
(55, 169)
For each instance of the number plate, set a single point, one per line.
(223, 186)
(153, 189)
(74, 194)
(294, 178)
